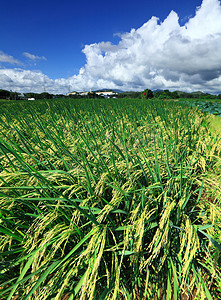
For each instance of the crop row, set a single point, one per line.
(108, 199)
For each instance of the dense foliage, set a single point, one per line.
(108, 199)
(208, 107)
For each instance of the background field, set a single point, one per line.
(109, 199)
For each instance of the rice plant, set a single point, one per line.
(108, 199)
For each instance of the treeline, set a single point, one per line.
(146, 94)
(166, 94)
(4, 94)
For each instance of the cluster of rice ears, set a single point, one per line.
(108, 199)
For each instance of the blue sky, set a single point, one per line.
(81, 45)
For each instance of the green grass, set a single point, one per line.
(108, 199)
(215, 124)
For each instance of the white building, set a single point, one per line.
(105, 94)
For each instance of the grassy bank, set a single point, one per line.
(109, 199)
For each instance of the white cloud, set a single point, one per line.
(156, 55)
(5, 58)
(34, 57)
(30, 81)
(160, 55)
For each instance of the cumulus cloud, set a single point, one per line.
(5, 58)
(34, 57)
(30, 81)
(161, 55)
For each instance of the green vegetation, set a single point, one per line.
(213, 108)
(166, 94)
(146, 94)
(130, 95)
(109, 199)
(215, 125)
(9, 95)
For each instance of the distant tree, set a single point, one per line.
(14, 96)
(147, 94)
(166, 94)
(209, 96)
(59, 96)
(128, 95)
(158, 94)
(74, 96)
(174, 95)
(4, 94)
(92, 95)
(31, 95)
(183, 94)
(45, 95)
(169, 95)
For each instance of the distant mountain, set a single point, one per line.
(157, 90)
(197, 93)
(118, 91)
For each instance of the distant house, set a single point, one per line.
(105, 94)
(31, 99)
(108, 93)
(84, 93)
(21, 96)
(76, 93)
(72, 93)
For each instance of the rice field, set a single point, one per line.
(109, 199)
